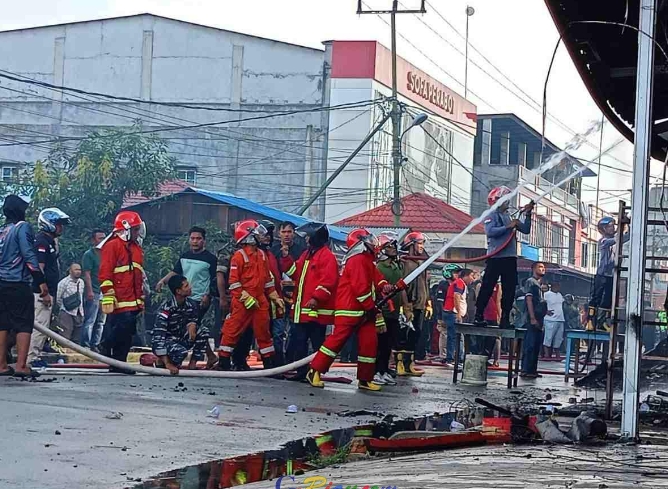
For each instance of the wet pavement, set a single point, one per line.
(57, 434)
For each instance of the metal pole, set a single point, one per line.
(396, 123)
(336, 173)
(466, 58)
(637, 252)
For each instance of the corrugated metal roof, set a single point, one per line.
(335, 232)
(170, 187)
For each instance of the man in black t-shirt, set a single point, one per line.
(198, 265)
(536, 310)
(51, 223)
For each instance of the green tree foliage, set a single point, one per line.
(90, 182)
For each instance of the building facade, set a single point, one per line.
(254, 117)
(438, 155)
(224, 77)
(506, 150)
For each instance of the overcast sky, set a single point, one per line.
(517, 36)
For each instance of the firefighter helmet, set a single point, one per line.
(388, 239)
(411, 238)
(248, 232)
(362, 236)
(49, 218)
(603, 223)
(450, 269)
(270, 227)
(125, 221)
(496, 193)
(317, 232)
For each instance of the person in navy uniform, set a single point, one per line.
(177, 331)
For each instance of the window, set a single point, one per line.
(187, 174)
(10, 173)
(584, 260)
(522, 154)
(504, 148)
(486, 151)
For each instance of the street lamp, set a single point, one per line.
(469, 12)
(418, 120)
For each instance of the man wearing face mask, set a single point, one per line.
(18, 267)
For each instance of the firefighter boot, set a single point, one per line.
(411, 369)
(401, 368)
(313, 378)
(224, 363)
(367, 386)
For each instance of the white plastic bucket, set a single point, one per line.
(475, 370)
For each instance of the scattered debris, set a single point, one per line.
(360, 412)
(214, 412)
(58, 432)
(114, 415)
(292, 409)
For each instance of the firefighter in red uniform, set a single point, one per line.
(250, 279)
(121, 283)
(356, 311)
(315, 274)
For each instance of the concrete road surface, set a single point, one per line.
(57, 435)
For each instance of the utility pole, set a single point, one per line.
(641, 158)
(396, 108)
(469, 12)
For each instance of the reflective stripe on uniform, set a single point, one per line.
(324, 289)
(351, 314)
(300, 287)
(364, 297)
(321, 312)
(127, 268)
(108, 299)
(321, 440)
(269, 284)
(128, 304)
(365, 432)
(292, 270)
(243, 253)
(362, 359)
(107, 283)
(327, 351)
(228, 349)
(269, 349)
(235, 285)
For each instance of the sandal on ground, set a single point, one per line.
(7, 373)
(33, 374)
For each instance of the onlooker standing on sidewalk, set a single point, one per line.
(535, 313)
(91, 331)
(69, 299)
(51, 222)
(198, 265)
(554, 321)
(18, 267)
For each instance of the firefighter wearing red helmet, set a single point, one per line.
(499, 227)
(416, 310)
(122, 284)
(250, 285)
(356, 311)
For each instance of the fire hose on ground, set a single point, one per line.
(554, 160)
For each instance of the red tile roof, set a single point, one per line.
(422, 212)
(164, 189)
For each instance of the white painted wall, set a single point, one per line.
(369, 176)
(158, 59)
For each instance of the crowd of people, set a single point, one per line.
(281, 288)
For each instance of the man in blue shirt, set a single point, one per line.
(18, 269)
(602, 289)
(501, 229)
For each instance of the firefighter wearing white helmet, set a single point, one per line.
(500, 229)
(602, 290)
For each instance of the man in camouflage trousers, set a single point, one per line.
(177, 331)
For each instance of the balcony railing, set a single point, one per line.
(539, 185)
